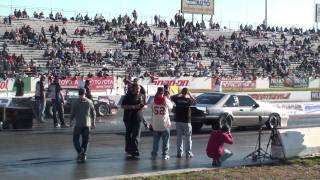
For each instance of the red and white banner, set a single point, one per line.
(233, 85)
(69, 82)
(189, 82)
(96, 83)
(6, 85)
(280, 96)
(171, 82)
(101, 84)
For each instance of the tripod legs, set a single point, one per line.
(274, 140)
(258, 153)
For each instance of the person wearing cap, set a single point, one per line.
(182, 116)
(57, 102)
(215, 149)
(85, 119)
(40, 98)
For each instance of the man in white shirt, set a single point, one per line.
(161, 123)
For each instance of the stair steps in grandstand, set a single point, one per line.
(102, 44)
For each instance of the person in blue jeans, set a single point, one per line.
(85, 115)
(133, 104)
(183, 101)
(161, 123)
(40, 98)
(57, 102)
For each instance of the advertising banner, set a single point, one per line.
(291, 82)
(26, 84)
(315, 96)
(233, 84)
(96, 83)
(198, 6)
(282, 96)
(6, 85)
(189, 82)
(69, 82)
(297, 96)
(101, 83)
(317, 15)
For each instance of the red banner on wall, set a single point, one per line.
(233, 85)
(100, 84)
(4, 85)
(69, 82)
(96, 83)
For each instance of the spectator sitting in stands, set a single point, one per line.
(64, 31)
(35, 14)
(51, 16)
(24, 14)
(77, 31)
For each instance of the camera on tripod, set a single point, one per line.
(259, 153)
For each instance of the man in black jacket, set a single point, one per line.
(19, 87)
(133, 104)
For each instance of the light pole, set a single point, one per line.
(266, 13)
(315, 19)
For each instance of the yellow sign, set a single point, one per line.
(174, 90)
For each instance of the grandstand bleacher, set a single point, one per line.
(246, 52)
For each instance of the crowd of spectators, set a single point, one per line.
(250, 52)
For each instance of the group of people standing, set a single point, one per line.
(134, 103)
(56, 97)
(83, 112)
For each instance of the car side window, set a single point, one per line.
(232, 102)
(246, 101)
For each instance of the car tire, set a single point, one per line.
(6, 125)
(273, 121)
(196, 127)
(215, 125)
(103, 109)
(226, 119)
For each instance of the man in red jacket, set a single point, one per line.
(215, 149)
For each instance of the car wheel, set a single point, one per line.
(215, 125)
(226, 119)
(6, 125)
(273, 121)
(103, 109)
(196, 127)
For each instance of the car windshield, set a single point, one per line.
(209, 98)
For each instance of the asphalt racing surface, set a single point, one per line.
(48, 153)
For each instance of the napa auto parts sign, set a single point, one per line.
(291, 82)
(233, 84)
(198, 6)
(96, 83)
